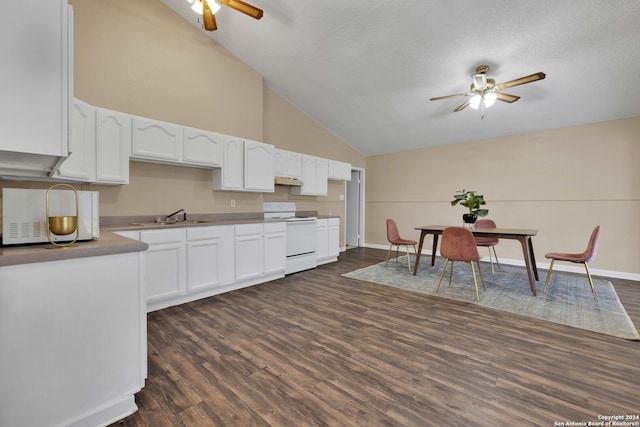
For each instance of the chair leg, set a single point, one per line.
(451, 273)
(475, 283)
(397, 252)
(408, 259)
(593, 289)
(481, 278)
(490, 259)
(442, 274)
(388, 253)
(546, 283)
(496, 257)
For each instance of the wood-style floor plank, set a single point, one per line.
(318, 349)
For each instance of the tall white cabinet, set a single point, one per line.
(36, 39)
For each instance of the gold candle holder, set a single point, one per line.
(62, 225)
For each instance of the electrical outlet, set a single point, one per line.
(233, 203)
(342, 197)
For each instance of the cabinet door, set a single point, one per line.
(309, 177)
(280, 163)
(36, 77)
(333, 245)
(339, 171)
(233, 164)
(164, 264)
(156, 140)
(80, 165)
(201, 147)
(203, 261)
(249, 251)
(294, 165)
(323, 240)
(113, 145)
(322, 177)
(275, 248)
(258, 166)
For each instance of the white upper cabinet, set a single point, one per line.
(113, 145)
(258, 166)
(339, 171)
(315, 171)
(200, 147)
(163, 142)
(247, 166)
(155, 140)
(107, 163)
(36, 40)
(287, 164)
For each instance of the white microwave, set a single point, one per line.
(24, 214)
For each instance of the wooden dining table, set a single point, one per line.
(521, 235)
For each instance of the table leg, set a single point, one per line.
(527, 261)
(533, 258)
(423, 233)
(433, 249)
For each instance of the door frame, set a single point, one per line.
(360, 218)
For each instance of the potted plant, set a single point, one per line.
(471, 201)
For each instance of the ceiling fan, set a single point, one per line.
(208, 8)
(484, 91)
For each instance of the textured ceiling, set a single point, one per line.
(365, 69)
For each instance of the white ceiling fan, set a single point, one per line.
(484, 91)
(208, 9)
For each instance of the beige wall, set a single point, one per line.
(562, 182)
(142, 58)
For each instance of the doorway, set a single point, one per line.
(354, 207)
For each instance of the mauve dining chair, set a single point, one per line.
(488, 242)
(394, 239)
(458, 244)
(581, 258)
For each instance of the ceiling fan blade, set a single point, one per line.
(243, 7)
(208, 18)
(450, 96)
(462, 107)
(507, 97)
(521, 81)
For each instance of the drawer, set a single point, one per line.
(275, 227)
(175, 235)
(203, 233)
(248, 229)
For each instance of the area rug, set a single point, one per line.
(568, 300)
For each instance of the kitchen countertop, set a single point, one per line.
(110, 243)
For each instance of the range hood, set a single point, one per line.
(283, 180)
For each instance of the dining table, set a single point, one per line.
(522, 235)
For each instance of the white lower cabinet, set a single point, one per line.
(184, 264)
(165, 274)
(249, 251)
(328, 240)
(275, 247)
(209, 260)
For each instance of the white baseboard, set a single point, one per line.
(543, 265)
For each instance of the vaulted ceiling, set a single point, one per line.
(365, 69)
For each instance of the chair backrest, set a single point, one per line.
(486, 241)
(458, 244)
(392, 231)
(592, 249)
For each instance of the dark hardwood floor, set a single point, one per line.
(317, 349)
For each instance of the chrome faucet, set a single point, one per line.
(176, 213)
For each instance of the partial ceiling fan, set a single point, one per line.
(208, 9)
(484, 91)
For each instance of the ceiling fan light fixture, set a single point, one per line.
(474, 102)
(197, 6)
(490, 99)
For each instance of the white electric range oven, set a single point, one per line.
(301, 235)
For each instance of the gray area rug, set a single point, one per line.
(568, 300)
